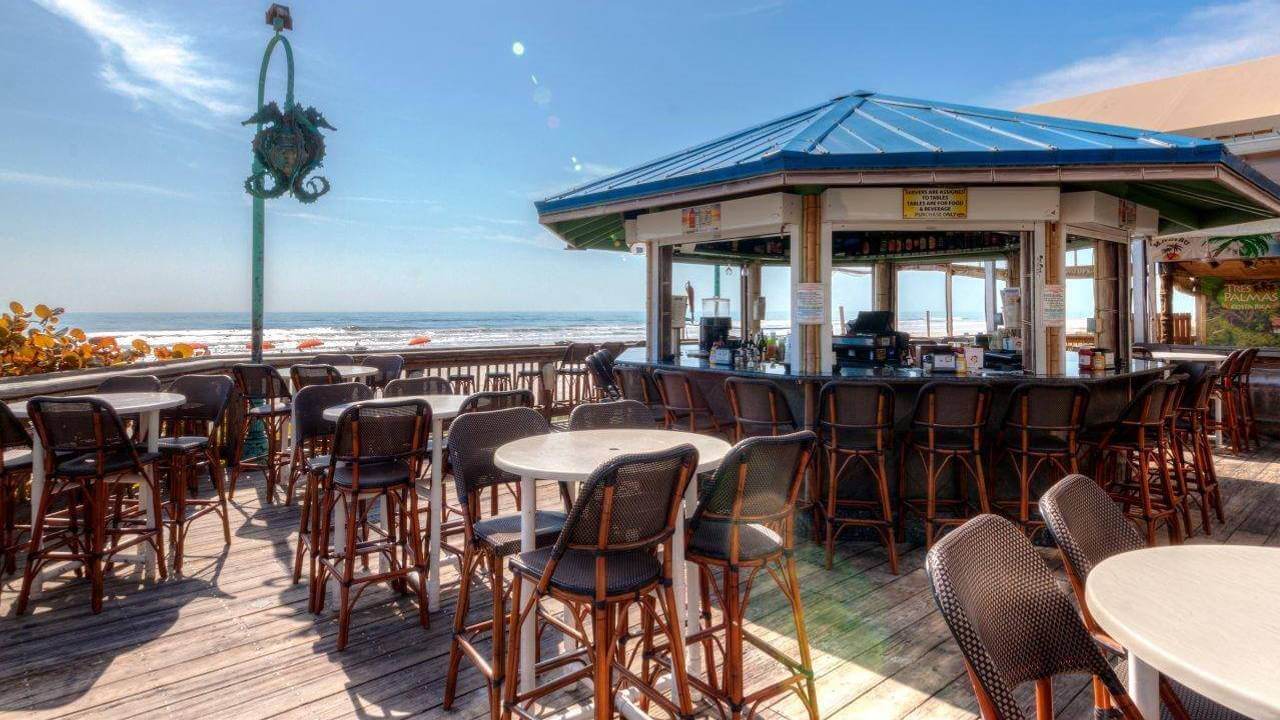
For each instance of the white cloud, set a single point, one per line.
(149, 62)
(1206, 37)
(66, 183)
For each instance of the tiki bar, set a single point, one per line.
(757, 505)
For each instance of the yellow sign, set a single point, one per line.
(935, 202)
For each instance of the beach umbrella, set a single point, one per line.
(309, 343)
(266, 345)
(420, 340)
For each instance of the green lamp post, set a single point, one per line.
(287, 147)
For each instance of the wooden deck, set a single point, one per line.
(233, 638)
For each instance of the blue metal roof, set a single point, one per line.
(870, 131)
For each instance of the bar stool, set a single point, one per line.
(1248, 421)
(635, 383)
(312, 445)
(605, 562)
(1040, 430)
(745, 523)
(389, 368)
(948, 427)
(683, 401)
(463, 382)
(572, 373)
(855, 428)
(15, 472)
(377, 446)
(497, 379)
(1191, 435)
(490, 541)
(189, 444)
(304, 375)
(614, 415)
(1140, 442)
(759, 408)
(1226, 390)
(266, 399)
(603, 385)
(89, 459)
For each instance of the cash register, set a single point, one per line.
(870, 341)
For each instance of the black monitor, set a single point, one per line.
(872, 322)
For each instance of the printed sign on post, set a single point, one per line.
(1055, 306)
(810, 304)
(935, 202)
(704, 218)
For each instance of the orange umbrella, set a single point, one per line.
(420, 340)
(309, 343)
(266, 345)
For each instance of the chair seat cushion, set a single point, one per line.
(576, 572)
(711, 539)
(944, 439)
(18, 461)
(502, 533)
(185, 443)
(117, 462)
(373, 475)
(277, 407)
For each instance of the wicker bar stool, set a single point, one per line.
(377, 446)
(15, 472)
(600, 367)
(1089, 528)
(89, 460)
(490, 541)
(682, 401)
(605, 562)
(1240, 381)
(304, 375)
(129, 383)
(635, 383)
(855, 427)
(759, 408)
(572, 373)
(464, 382)
(421, 385)
(1140, 443)
(188, 444)
(745, 524)
(615, 415)
(1040, 431)
(1192, 448)
(312, 446)
(497, 379)
(266, 399)
(333, 359)
(1012, 623)
(614, 348)
(948, 428)
(389, 368)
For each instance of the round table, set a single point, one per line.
(443, 407)
(147, 406)
(1204, 615)
(572, 457)
(355, 372)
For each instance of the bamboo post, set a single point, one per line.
(1166, 302)
(948, 285)
(883, 280)
(810, 352)
(1106, 290)
(1055, 273)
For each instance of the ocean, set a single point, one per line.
(227, 333)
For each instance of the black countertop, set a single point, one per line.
(776, 371)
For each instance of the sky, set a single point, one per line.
(122, 157)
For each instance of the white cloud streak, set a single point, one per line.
(65, 183)
(1206, 37)
(150, 62)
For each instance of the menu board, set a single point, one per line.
(1055, 306)
(935, 202)
(810, 304)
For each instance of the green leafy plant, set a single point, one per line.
(33, 342)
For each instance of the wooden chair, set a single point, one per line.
(303, 375)
(948, 429)
(1040, 431)
(745, 524)
(571, 373)
(1000, 600)
(377, 447)
(855, 429)
(421, 385)
(89, 460)
(635, 383)
(605, 563)
(616, 415)
(759, 408)
(1192, 447)
(488, 542)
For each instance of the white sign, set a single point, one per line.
(1055, 306)
(810, 303)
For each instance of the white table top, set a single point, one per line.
(355, 371)
(124, 403)
(1187, 356)
(443, 407)
(1207, 616)
(573, 456)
